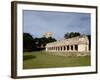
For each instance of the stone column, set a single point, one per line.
(69, 47)
(54, 48)
(46, 49)
(57, 48)
(62, 48)
(73, 47)
(66, 48)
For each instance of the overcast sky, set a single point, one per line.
(59, 23)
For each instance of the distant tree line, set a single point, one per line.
(35, 44)
(71, 34)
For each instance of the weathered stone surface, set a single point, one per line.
(75, 44)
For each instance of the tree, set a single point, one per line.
(45, 40)
(34, 44)
(40, 43)
(71, 34)
(28, 42)
(50, 39)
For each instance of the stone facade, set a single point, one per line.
(75, 44)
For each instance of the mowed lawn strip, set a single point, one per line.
(41, 59)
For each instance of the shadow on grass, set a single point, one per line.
(27, 57)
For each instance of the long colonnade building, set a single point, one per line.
(75, 44)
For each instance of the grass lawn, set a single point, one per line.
(42, 59)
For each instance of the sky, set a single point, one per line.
(38, 22)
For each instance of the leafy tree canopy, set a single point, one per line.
(30, 43)
(27, 42)
(71, 34)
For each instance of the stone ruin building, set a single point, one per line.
(75, 44)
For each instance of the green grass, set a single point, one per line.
(42, 59)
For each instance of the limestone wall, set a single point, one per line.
(79, 44)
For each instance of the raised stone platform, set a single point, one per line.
(69, 53)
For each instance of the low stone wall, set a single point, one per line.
(69, 53)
